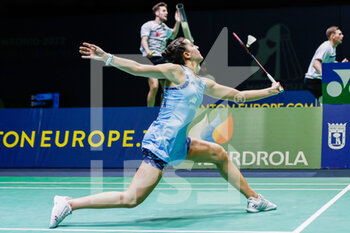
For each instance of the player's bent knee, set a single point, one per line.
(134, 203)
(132, 200)
(153, 89)
(153, 85)
(131, 205)
(218, 154)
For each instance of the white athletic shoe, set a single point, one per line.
(259, 204)
(60, 210)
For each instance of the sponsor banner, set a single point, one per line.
(335, 83)
(284, 138)
(72, 137)
(287, 99)
(335, 136)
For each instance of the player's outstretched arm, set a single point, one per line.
(163, 71)
(219, 91)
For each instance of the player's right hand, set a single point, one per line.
(276, 88)
(150, 54)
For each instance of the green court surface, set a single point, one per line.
(180, 205)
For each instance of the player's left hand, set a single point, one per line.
(345, 60)
(177, 17)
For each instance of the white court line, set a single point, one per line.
(200, 189)
(320, 211)
(151, 231)
(110, 183)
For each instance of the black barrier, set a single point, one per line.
(40, 53)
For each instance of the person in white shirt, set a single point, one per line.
(154, 37)
(325, 53)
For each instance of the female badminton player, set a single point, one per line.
(165, 142)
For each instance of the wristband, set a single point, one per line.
(109, 60)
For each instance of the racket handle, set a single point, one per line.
(274, 81)
(280, 88)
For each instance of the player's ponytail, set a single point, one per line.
(174, 52)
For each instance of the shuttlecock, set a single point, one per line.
(251, 40)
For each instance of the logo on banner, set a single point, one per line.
(334, 88)
(215, 131)
(336, 135)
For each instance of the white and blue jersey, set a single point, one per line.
(158, 35)
(166, 137)
(326, 53)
